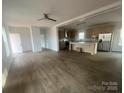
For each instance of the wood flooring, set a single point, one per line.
(65, 72)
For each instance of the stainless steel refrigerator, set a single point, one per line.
(104, 42)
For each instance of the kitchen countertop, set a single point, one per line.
(83, 42)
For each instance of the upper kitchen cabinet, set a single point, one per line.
(71, 34)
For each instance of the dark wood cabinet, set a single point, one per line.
(62, 34)
(71, 34)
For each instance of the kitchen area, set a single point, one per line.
(95, 38)
(92, 35)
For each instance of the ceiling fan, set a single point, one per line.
(46, 17)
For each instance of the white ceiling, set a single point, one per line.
(114, 16)
(26, 12)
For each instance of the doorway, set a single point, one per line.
(15, 41)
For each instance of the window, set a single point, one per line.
(120, 39)
(5, 41)
(81, 35)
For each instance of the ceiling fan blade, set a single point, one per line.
(40, 19)
(51, 19)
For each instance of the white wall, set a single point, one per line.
(116, 37)
(52, 39)
(36, 39)
(25, 37)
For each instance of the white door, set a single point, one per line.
(16, 43)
